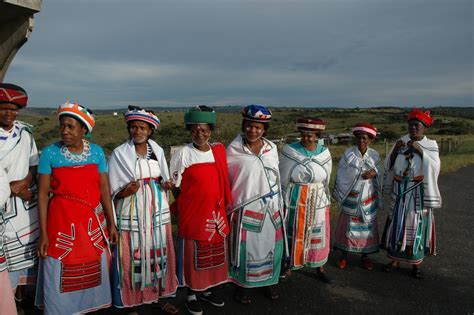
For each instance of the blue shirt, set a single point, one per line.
(301, 149)
(52, 157)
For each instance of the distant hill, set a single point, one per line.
(466, 112)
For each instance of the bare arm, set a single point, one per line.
(106, 202)
(395, 150)
(20, 187)
(44, 181)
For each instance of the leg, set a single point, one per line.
(366, 262)
(342, 262)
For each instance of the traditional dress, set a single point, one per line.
(7, 302)
(413, 186)
(305, 177)
(20, 218)
(144, 261)
(202, 224)
(256, 215)
(359, 201)
(74, 278)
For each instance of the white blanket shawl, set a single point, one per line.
(298, 168)
(350, 167)
(122, 164)
(252, 177)
(431, 168)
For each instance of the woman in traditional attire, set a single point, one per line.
(144, 261)
(74, 270)
(305, 168)
(199, 173)
(256, 213)
(358, 192)
(19, 158)
(411, 177)
(7, 302)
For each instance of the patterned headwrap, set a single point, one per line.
(11, 93)
(258, 113)
(138, 113)
(78, 112)
(310, 124)
(198, 116)
(423, 116)
(366, 128)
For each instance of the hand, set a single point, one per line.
(168, 185)
(129, 189)
(17, 186)
(25, 195)
(113, 234)
(43, 245)
(414, 147)
(399, 144)
(369, 174)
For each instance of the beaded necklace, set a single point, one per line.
(72, 157)
(146, 156)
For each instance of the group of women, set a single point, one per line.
(245, 214)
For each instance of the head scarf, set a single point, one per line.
(310, 124)
(366, 128)
(198, 116)
(11, 93)
(78, 112)
(423, 116)
(138, 113)
(258, 113)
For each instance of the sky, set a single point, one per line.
(317, 53)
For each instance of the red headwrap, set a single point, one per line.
(310, 124)
(11, 93)
(423, 116)
(366, 128)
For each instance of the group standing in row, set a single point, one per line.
(245, 214)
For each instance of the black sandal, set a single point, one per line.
(242, 298)
(390, 266)
(417, 273)
(271, 293)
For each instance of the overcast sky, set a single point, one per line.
(345, 53)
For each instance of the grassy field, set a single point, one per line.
(453, 126)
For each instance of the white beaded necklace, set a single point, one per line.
(86, 152)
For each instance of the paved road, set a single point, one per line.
(448, 287)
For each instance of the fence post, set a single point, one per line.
(449, 146)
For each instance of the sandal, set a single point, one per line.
(271, 293)
(167, 308)
(242, 298)
(342, 263)
(417, 273)
(367, 264)
(390, 266)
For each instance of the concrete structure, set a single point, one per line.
(16, 24)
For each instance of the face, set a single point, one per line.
(308, 139)
(71, 131)
(416, 129)
(253, 130)
(200, 133)
(8, 113)
(363, 141)
(139, 131)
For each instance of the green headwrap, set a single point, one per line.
(196, 116)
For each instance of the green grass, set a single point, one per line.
(110, 131)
